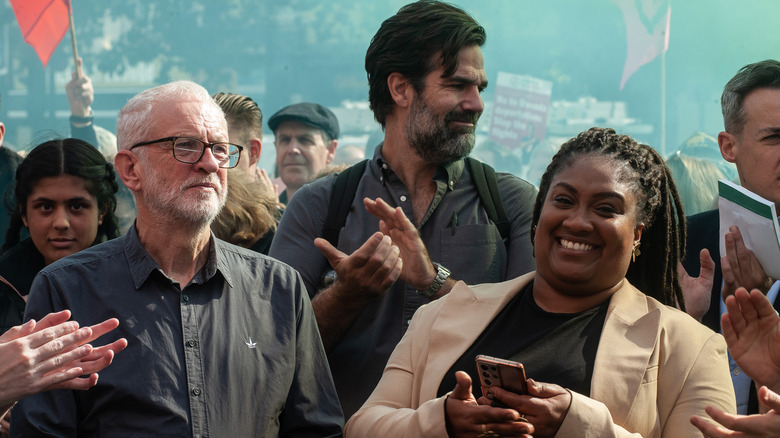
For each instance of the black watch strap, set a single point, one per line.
(78, 120)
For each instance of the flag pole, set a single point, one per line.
(73, 41)
(663, 79)
(663, 104)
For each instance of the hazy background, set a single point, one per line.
(282, 52)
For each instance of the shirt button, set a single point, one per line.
(195, 391)
(736, 371)
(452, 184)
(403, 198)
(185, 298)
(384, 166)
(191, 343)
(408, 321)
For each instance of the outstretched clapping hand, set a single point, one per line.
(366, 273)
(745, 426)
(697, 291)
(752, 331)
(741, 267)
(52, 354)
(418, 268)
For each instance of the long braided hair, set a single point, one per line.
(659, 207)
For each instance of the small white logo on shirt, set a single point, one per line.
(251, 344)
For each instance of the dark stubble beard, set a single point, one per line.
(433, 139)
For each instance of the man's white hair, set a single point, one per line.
(133, 124)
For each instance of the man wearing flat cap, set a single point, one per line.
(306, 139)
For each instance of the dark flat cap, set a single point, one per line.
(311, 114)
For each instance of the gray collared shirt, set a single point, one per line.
(234, 353)
(456, 231)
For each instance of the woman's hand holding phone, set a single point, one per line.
(465, 417)
(545, 405)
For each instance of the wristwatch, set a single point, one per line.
(442, 274)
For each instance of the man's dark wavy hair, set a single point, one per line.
(410, 42)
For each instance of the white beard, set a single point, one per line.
(177, 203)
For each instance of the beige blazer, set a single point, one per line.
(655, 367)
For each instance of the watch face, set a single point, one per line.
(328, 278)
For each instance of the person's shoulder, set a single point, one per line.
(315, 192)
(251, 270)
(491, 294)
(228, 249)
(676, 321)
(17, 253)
(20, 262)
(321, 184)
(100, 254)
(239, 256)
(512, 186)
(9, 156)
(702, 232)
(510, 179)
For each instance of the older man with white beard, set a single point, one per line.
(222, 341)
(426, 74)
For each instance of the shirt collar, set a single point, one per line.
(448, 173)
(142, 264)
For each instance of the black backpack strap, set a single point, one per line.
(344, 190)
(487, 186)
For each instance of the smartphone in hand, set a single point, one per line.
(505, 374)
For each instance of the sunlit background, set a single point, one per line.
(281, 52)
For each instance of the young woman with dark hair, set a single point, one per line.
(64, 197)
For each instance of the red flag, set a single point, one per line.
(43, 24)
(647, 32)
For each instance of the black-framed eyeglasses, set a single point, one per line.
(189, 150)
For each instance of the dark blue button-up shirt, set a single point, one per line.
(234, 353)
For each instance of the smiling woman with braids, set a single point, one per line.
(596, 322)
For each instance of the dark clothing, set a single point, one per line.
(457, 234)
(283, 197)
(9, 160)
(704, 232)
(264, 243)
(557, 348)
(234, 353)
(86, 133)
(18, 265)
